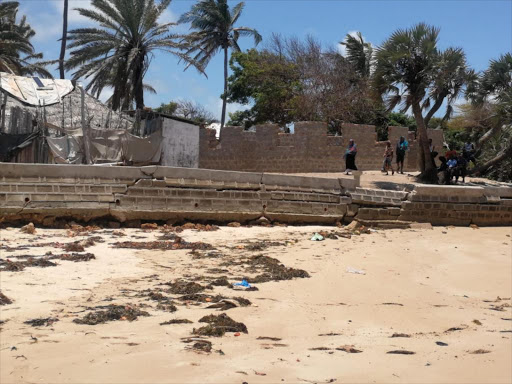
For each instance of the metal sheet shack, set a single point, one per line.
(180, 137)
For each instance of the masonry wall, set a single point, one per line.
(44, 193)
(308, 149)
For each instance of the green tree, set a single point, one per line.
(167, 109)
(17, 54)
(117, 54)
(412, 71)
(359, 53)
(268, 82)
(213, 29)
(491, 96)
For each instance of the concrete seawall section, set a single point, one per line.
(43, 193)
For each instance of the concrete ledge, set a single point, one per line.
(275, 182)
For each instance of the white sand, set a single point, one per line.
(441, 277)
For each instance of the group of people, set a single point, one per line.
(453, 165)
(401, 147)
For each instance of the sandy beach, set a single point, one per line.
(439, 298)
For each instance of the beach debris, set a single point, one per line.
(348, 349)
(118, 233)
(401, 352)
(477, 322)
(198, 344)
(273, 270)
(243, 284)
(176, 321)
(234, 224)
(44, 321)
(454, 329)
(182, 287)
(262, 245)
(178, 243)
(440, 343)
(320, 349)
(269, 338)
(76, 257)
(74, 247)
(356, 271)
(398, 304)
(112, 312)
(499, 308)
(479, 351)
(317, 237)
(330, 334)
(166, 307)
(150, 226)
(223, 305)
(218, 325)
(260, 373)
(400, 335)
(474, 226)
(16, 266)
(4, 300)
(220, 282)
(353, 226)
(29, 228)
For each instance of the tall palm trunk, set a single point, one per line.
(63, 41)
(427, 165)
(139, 88)
(224, 95)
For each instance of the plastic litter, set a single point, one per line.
(242, 284)
(317, 237)
(356, 271)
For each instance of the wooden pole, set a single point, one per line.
(85, 128)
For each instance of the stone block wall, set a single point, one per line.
(308, 149)
(42, 193)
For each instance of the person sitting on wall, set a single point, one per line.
(452, 165)
(388, 159)
(401, 147)
(443, 171)
(350, 157)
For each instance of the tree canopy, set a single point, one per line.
(17, 54)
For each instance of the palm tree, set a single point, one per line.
(213, 26)
(410, 70)
(63, 40)
(17, 54)
(359, 53)
(117, 54)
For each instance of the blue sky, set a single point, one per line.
(482, 28)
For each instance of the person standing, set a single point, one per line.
(350, 157)
(401, 147)
(388, 159)
(468, 151)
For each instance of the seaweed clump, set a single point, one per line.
(4, 300)
(218, 325)
(273, 270)
(181, 287)
(112, 312)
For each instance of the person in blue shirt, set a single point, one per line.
(401, 147)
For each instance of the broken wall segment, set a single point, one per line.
(41, 193)
(308, 149)
(30, 192)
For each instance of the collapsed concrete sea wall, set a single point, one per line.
(308, 149)
(43, 193)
